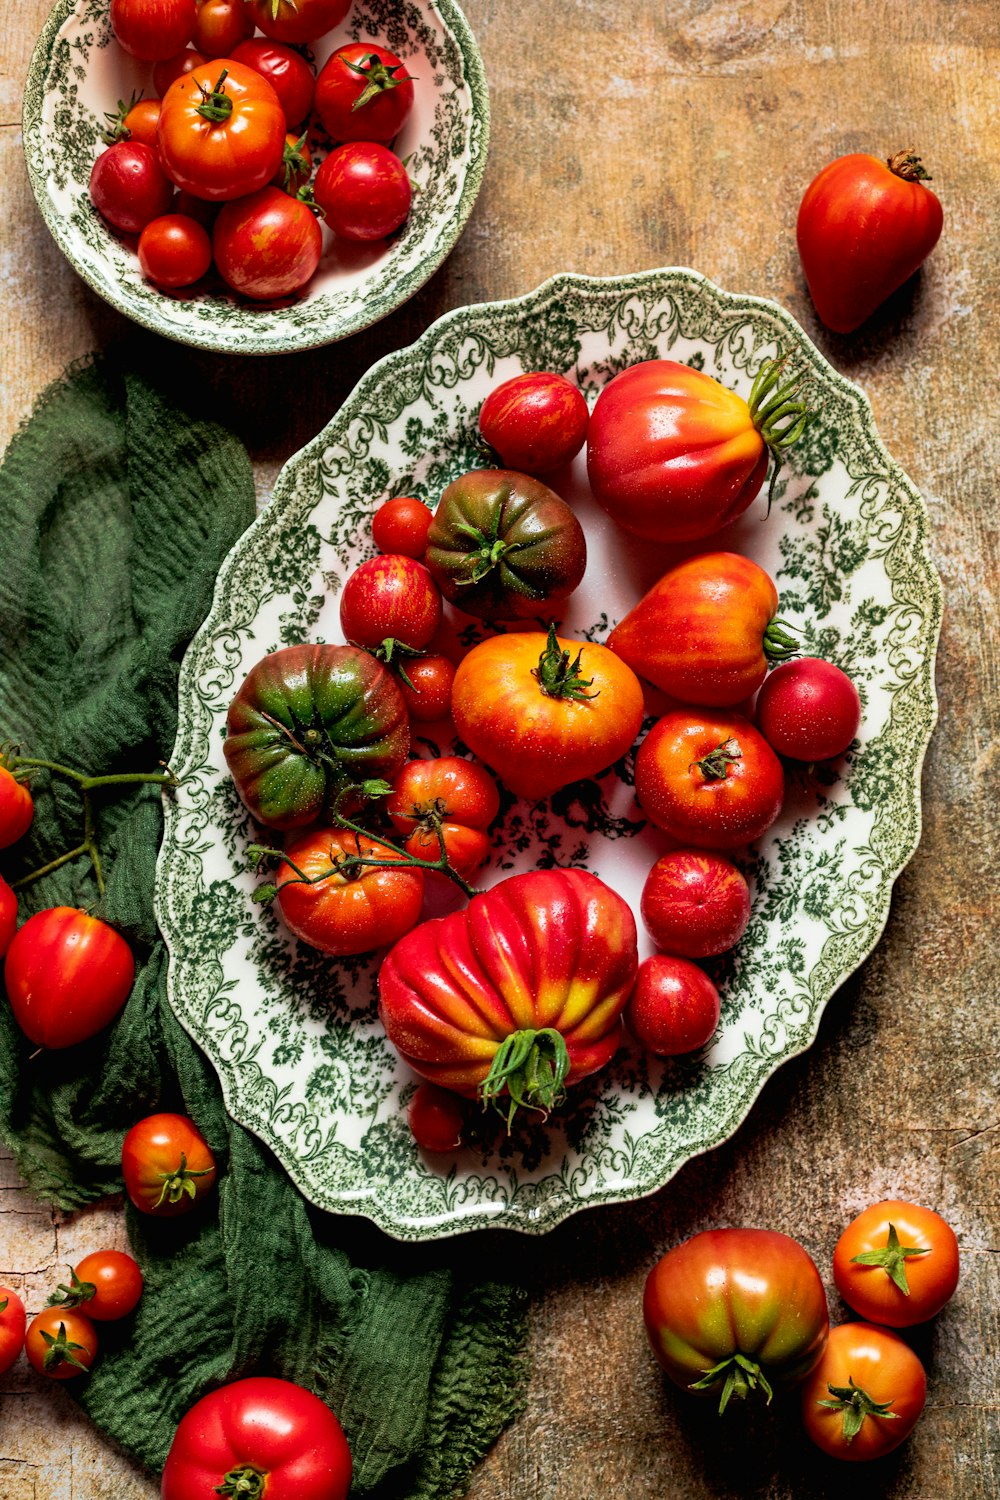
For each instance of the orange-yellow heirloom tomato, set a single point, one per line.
(865, 1395)
(896, 1263)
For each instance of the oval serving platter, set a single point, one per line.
(295, 1037)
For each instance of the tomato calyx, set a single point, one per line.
(856, 1404)
(559, 674)
(180, 1183)
(59, 1351)
(530, 1068)
(390, 651)
(116, 129)
(892, 1258)
(216, 105)
(295, 168)
(378, 78)
(777, 416)
(779, 643)
(907, 164)
(246, 1482)
(492, 550)
(73, 1295)
(715, 765)
(741, 1377)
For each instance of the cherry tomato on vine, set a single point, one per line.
(364, 93)
(169, 69)
(673, 1008)
(129, 187)
(16, 808)
(436, 1118)
(808, 710)
(350, 910)
(286, 71)
(297, 20)
(536, 422)
(12, 1325)
(266, 245)
(896, 1263)
(61, 1343)
(67, 976)
(153, 29)
(220, 27)
(467, 849)
(695, 903)
(105, 1285)
(428, 693)
(174, 251)
(363, 190)
(401, 525)
(167, 1165)
(8, 916)
(222, 131)
(390, 597)
(865, 1395)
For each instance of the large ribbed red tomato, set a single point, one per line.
(709, 778)
(67, 976)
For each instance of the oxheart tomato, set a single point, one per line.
(297, 20)
(695, 903)
(544, 711)
(390, 598)
(286, 71)
(673, 455)
(67, 976)
(16, 808)
(60, 1343)
(12, 1325)
(167, 1165)
(674, 1006)
(864, 227)
(808, 710)
(735, 1312)
(8, 916)
(896, 1263)
(363, 190)
(266, 245)
(706, 632)
(518, 994)
(536, 422)
(129, 187)
(174, 251)
(153, 29)
(106, 1285)
(709, 779)
(262, 1438)
(447, 787)
(352, 908)
(364, 93)
(222, 131)
(865, 1395)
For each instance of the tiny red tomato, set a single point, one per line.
(67, 976)
(142, 122)
(8, 916)
(129, 187)
(866, 1394)
(60, 1343)
(808, 710)
(695, 903)
(167, 1165)
(266, 245)
(536, 422)
(436, 1118)
(467, 848)
(171, 68)
(12, 1325)
(429, 697)
(363, 191)
(390, 598)
(401, 525)
(364, 93)
(297, 20)
(286, 71)
(174, 251)
(106, 1285)
(447, 787)
(220, 27)
(296, 164)
(153, 29)
(896, 1263)
(347, 910)
(222, 131)
(673, 1007)
(16, 808)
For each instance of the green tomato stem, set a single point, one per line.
(247, 1483)
(892, 1259)
(378, 78)
(739, 1376)
(715, 764)
(857, 1405)
(779, 644)
(559, 674)
(529, 1069)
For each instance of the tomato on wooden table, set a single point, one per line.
(673, 1008)
(61, 1343)
(865, 1395)
(808, 710)
(153, 29)
(695, 903)
(297, 20)
(106, 1285)
(16, 808)
(266, 245)
(363, 190)
(363, 93)
(222, 131)
(129, 187)
(390, 598)
(12, 1325)
(67, 976)
(401, 525)
(436, 1118)
(221, 26)
(167, 1164)
(897, 1263)
(536, 422)
(8, 916)
(354, 908)
(286, 71)
(174, 251)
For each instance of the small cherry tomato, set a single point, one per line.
(401, 525)
(286, 71)
(695, 903)
(866, 1394)
(896, 1263)
(447, 787)
(60, 1343)
(129, 187)
(222, 131)
(350, 910)
(136, 121)
(67, 976)
(296, 164)
(12, 1324)
(169, 69)
(467, 849)
(16, 808)
(297, 20)
(428, 693)
(436, 1118)
(390, 598)
(536, 422)
(220, 27)
(153, 29)
(363, 191)
(106, 1285)
(808, 709)
(167, 1165)
(673, 1008)
(364, 93)
(266, 245)
(174, 251)
(8, 916)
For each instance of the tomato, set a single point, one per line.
(67, 976)
(167, 1165)
(169, 69)
(174, 251)
(266, 245)
(153, 29)
(296, 165)
(896, 1263)
(544, 711)
(354, 911)
(401, 525)
(363, 94)
(732, 1311)
(308, 723)
(135, 121)
(427, 695)
(709, 779)
(60, 1343)
(536, 422)
(706, 631)
(448, 787)
(199, 209)
(16, 808)
(516, 995)
(297, 20)
(286, 71)
(106, 1284)
(436, 1118)
(808, 710)
(673, 455)
(12, 1324)
(129, 187)
(695, 903)
(222, 131)
(467, 849)
(673, 1008)
(8, 916)
(504, 546)
(221, 26)
(390, 598)
(262, 1438)
(363, 190)
(866, 1394)
(864, 227)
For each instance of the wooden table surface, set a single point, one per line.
(626, 137)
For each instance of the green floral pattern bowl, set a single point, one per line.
(296, 1039)
(78, 72)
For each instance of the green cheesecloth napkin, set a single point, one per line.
(117, 509)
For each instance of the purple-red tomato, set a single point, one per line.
(363, 191)
(128, 186)
(695, 903)
(808, 709)
(673, 1007)
(536, 422)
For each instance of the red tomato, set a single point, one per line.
(436, 1118)
(297, 20)
(199, 209)
(60, 1343)
(536, 422)
(390, 598)
(896, 1263)
(808, 710)
(363, 190)
(167, 1165)
(349, 911)
(296, 164)
(467, 848)
(709, 779)
(733, 1310)
(363, 94)
(153, 29)
(286, 71)
(129, 187)
(137, 121)
(401, 525)
(221, 26)
(107, 1285)
(169, 69)
(866, 1394)
(449, 788)
(266, 245)
(12, 1323)
(695, 903)
(67, 976)
(429, 697)
(8, 916)
(864, 227)
(174, 251)
(222, 131)
(16, 808)
(673, 1008)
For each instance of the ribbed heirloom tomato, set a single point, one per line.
(865, 1395)
(167, 1165)
(896, 1263)
(709, 779)
(364, 93)
(355, 908)
(222, 131)
(67, 976)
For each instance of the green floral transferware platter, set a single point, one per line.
(77, 73)
(295, 1038)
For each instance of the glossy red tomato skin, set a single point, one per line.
(153, 29)
(221, 26)
(862, 231)
(67, 976)
(390, 596)
(286, 71)
(931, 1277)
(882, 1365)
(221, 159)
(16, 808)
(174, 251)
(675, 793)
(338, 89)
(436, 1118)
(429, 699)
(459, 790)
(808, 709)
(129, 187)
(151, 1156)
(342, 916)
(117, 1283)
(297, 20)
(169, 69)
(265, 1425)
(695, 903)
(79, 1330)
(401, 525)
(8, 916)
(364, 191)
(266, 245)
(673, 1008)
(536, 422)
(12, 1325)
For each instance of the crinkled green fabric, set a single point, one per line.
(117, 509)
